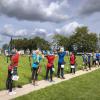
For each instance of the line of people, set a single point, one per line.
(35, 63)
(91, 60)
(37, 56)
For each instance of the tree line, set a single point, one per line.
(81, 40)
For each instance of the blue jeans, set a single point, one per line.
(60, 70)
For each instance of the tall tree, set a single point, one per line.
(83, 39)
(34, 43)
(61, 40)
(5, 47)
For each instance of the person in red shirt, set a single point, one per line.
(50, 66)
(14, 61)
(72, 62)
(12, 70)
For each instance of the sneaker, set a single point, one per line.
(33, 83)
(36, 84)
(12, 93)
(46, 79)
(52, 81)
(7, 92)
(58, 76)
(63, 78)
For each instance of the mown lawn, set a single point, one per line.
(85, 87)
(24, 69)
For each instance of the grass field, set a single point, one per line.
(24, 69)
(85, 87)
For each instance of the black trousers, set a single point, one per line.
(89, 65)
(34, 73)
(9, 81)
(94, 63)
(60, 70)
(72, 70)
(51, 73)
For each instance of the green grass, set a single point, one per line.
(24, 69)
(85, 87)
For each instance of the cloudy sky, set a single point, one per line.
(30, 18)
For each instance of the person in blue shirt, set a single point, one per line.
(61, 55)
(36, 58)
(97, 59)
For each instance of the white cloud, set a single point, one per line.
(35, 10)
(21, 33)
(68, 29)
(9, 31)
(39, 32)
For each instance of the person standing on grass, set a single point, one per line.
(97, 58)
(85, 61)
(50, 65)
(61, 55)
(36, 57)
(12, 72)
(93, 59)
(72, 63)
(89, 61)
(15, 61)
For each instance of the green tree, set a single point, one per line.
(61, 40)
(5, 47)
(34, 43)
(83, 39)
